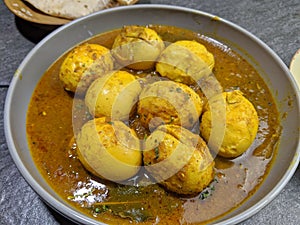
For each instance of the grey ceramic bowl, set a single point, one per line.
(272, 69)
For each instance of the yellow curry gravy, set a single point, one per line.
(49, 129)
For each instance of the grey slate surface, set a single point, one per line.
(275, 22)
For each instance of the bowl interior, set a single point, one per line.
(271, 68)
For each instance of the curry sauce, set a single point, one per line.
(52, 121)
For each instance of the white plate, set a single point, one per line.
(295, 67)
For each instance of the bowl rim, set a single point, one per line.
(74, 215)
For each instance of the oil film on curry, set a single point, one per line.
(153, 124)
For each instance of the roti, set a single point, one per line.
(70, 9)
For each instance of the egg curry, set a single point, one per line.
(153, 125)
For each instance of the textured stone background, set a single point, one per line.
(275, 22)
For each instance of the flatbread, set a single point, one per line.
(70, 9)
